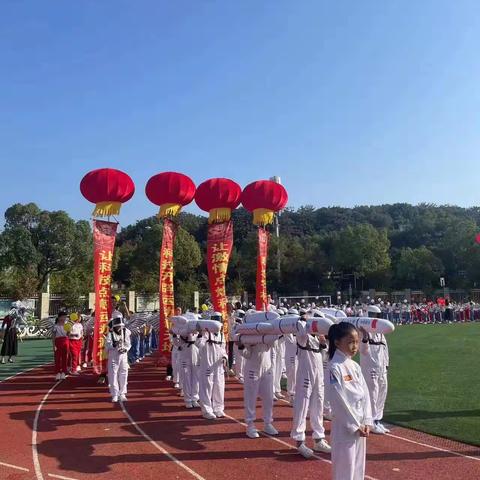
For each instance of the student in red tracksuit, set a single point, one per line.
(60, 346)
(75, 336)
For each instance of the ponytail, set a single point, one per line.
(336, 332)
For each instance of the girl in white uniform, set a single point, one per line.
(188, 368)
(211, 377)
(350, 403)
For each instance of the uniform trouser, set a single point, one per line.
(291, 367)
(212, 387)
(117, 373)
(327, 409)
(87, 349)
(308, 399)
(279, 367)
(61, 354)
(175, 365)
(258, 385)
(75, 351)
(189, 381)
(348, 454)
(378, 387)
(239, 362)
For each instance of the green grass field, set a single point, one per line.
(434, 380)
(31, 353)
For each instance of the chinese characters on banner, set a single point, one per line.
(219, 247)
(167, 302)
(261, 299)
(103, 245)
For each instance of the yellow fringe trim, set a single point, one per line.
(262, 216)
(218, 215)
(169, 210)
(105, 209)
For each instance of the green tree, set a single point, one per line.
(418, 268)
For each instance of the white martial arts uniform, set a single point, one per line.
(309, 388)
(118, 362)
(258, 382)
(291, 362)
(239, 364)
(188, 352)
(350, 403)
(374, 360)
(176, 364)
(211, 375)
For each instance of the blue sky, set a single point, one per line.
(349, 102)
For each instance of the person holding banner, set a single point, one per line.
(309, 391)
(213, 364)
(258, 382)
(118, 344)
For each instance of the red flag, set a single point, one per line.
(261, 300)
(167, 300)
(219, 248)
(103, 246)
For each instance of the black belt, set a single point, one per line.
(310, 349)
(187, 341)
(373, 342)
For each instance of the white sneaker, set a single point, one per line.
(123, 398)
(375, 428)
(176, 386)
(240, 379)
(58, 376)
(114, 399)
(196, 404)
(279, 395)
(220, 414)
(181, 393)
(304, 451)
(322, 446)
(168, 378)
(63, 376)
(383, 427)
(252, 433)
(188, 405)
(78, 369)
(84, 365)
(209, 416)
(270, 429)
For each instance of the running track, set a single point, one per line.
(69, 430)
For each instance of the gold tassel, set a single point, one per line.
(263, 216)
(105, 209)
(218, 215)
(169, 210)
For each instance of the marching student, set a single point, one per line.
(75, 336)
(60, 345)
(118, 344)
(309, 392)
(374, 360)
(350, 403)
(211, 376)
(238, 357)
(186, 360)
(258, 382)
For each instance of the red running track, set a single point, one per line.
(81, 435)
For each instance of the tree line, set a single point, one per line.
(319, 250)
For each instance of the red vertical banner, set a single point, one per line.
(103, 246)
(261, 298)
(166, 291)
(219, 248)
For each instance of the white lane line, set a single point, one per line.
(158, 447)
(36, 461)
(434, 448)
(60, 477)
(8, 465)
(24, 371)
(288, 444)
(422, 444)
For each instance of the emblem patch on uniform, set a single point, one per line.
(374, 324)
(347, 378)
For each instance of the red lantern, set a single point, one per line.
(218, 196)
(108, 189)
(263, 198)
(477, 238)
(170, 191)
